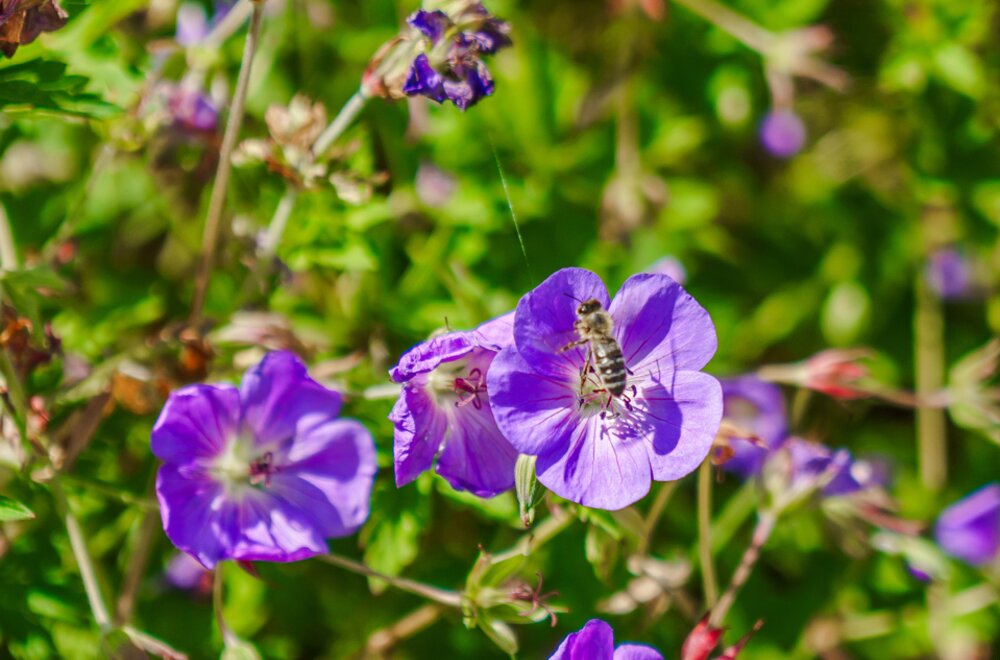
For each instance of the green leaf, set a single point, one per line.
(11, 510)
(238, 649)
(44, 85)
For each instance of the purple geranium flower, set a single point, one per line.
(949, 273)
(596, 641)
(445, 406)
(970, 528)
(452, 68)
(782, 133)
(261, 472)
(193, 25)
(594, 448)
(753, 405)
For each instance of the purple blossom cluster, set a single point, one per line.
(539, 393)
(451, 67)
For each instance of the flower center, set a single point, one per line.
(243, 465)
(453, 382)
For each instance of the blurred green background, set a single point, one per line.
(623, 138)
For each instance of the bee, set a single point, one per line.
(593, 326)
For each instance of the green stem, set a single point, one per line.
(928, 327)
(8, 250)
(746, 31)
(442, 596)
(663, 496)
(84, 563)
(544, 532)
(213, 220)
(339, 124)
(709, 582)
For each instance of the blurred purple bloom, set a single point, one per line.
(190, 109)
(263, 472)
(949, 274)
(445, 406)
(596, 641)
(434, 186)
(782, 133)
(812, 461)
(756, 406)
(453, 68)
(970, 528)
(594, 448)
(193, 24)
(671, 267)
(185, 573)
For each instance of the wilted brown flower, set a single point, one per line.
(21, 21)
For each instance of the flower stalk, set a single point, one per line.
(928, 329)
(213, 220)
(441, 596)
(709, 581)
(766, 520)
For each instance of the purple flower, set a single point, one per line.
(596, 641)
(970, 528)
(949, 274)
(595, 448)
(185, 573)
(445, 406)
(812, 462)
(452, 68)
(193, 24)
(782, 133)
(758, 407)
(263, 472)
(190, 109)
(671, 267)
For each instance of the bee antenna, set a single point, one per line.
(572, 297)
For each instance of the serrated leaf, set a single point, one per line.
(12, 510)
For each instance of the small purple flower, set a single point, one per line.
(434, 186)
(452, 68)
(185, 573)
(949, 274)
(671, 267)
(193, 24)
(753, 405)
(190, 109)
(263, 472)
(813, 463)
(445, 406)
(594, 448)
(596, 641)
(970, 528)
(782, 133)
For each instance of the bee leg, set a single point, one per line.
(572, 344)
(586, 370)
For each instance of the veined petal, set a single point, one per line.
(420, 429)
(683, 414)
(536, 413)
(331, 476)
(495, 334)
(187, 506)
(428, 355)
(660, 327)
(196, 423)
(598, 469)
(543, 322)
(476, 456)
(281, 401)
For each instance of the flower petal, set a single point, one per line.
(330, 479)
(187, 501)
(495, 334)
(597, 469)
(419, 431)
(281, 401)
(543, 321)
(756, 406)
(423, 80)
(683, 415)
(637, 652)
(595, 641)
(970, 528)
(428, 355)
(534, 412)
(196, 423)
(660, 327)
(476, 456)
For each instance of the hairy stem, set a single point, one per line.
(928, 329)
(83, 561)
(213, 220)
(383, 640)
(765, 525)
(746, 31)
(710, 585)
(339, 124)
(544, 532)
(441, 596)
(663, 496)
